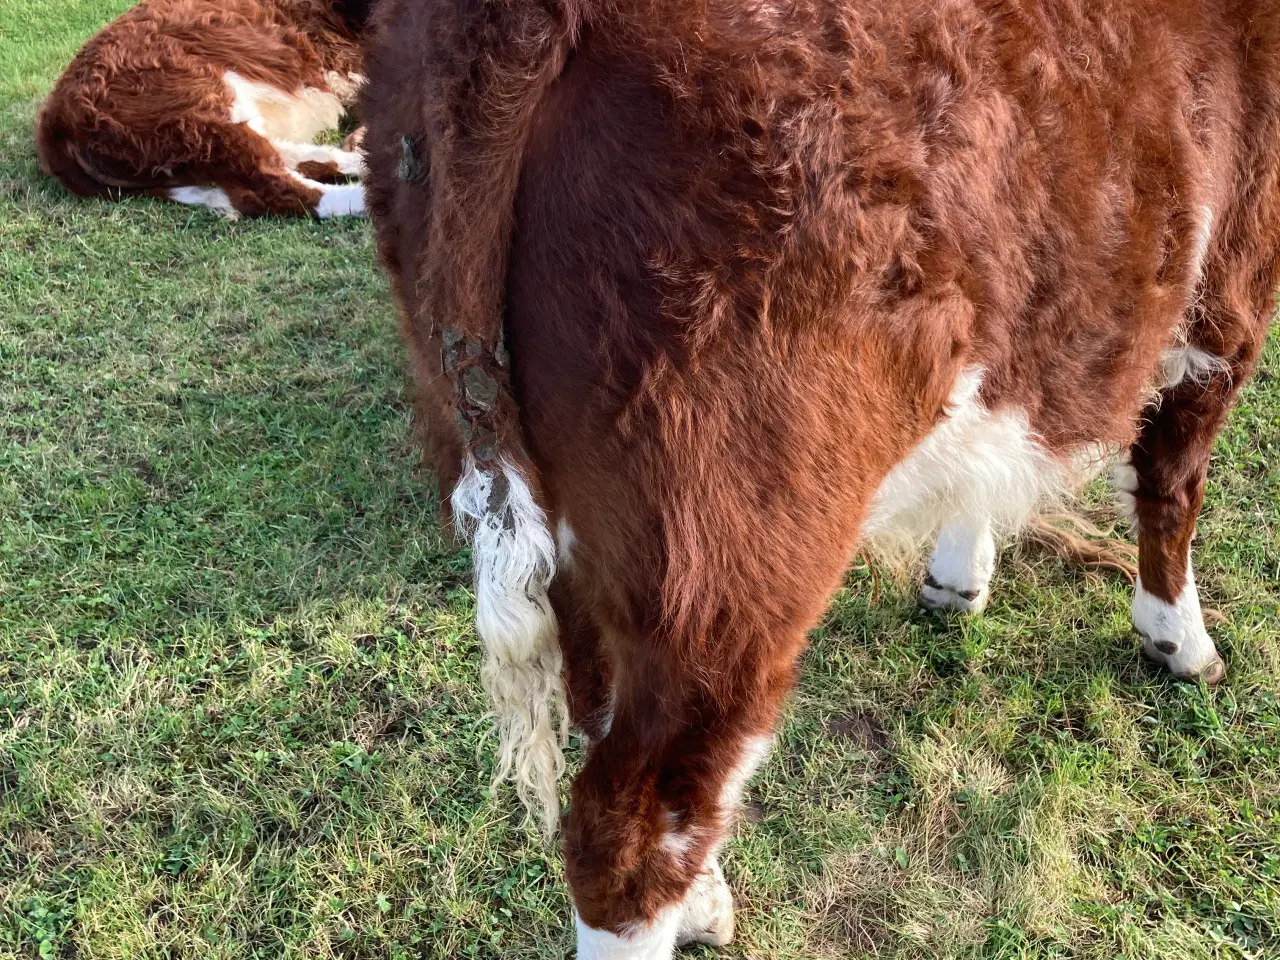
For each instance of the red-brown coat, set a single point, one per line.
(717, 292)
(215, 102)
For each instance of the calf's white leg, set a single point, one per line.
(960, 569)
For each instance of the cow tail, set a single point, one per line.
(59, 159)
(493, 62)
(62, 159)
(514, 560)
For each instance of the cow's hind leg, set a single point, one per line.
(1161, 483)
(303, 157)
(270, 193)
(321, 172)
(246, 175)
(652, 807)
(691, 711)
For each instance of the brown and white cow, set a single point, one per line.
(718, 292)
(213, 102)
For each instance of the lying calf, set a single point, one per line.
(721, 292)
(212, 102)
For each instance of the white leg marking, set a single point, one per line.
(974, 464)
(342, 200)
(656, 941)
(960, 569)
(1124, 479)
(754, 752)
(1173, 634)
(705, 915)
(515, 559)
(707, 910)
(336, 200)
(214, 198)
(349, 163)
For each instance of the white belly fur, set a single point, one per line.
(280, 116)
(975, 466)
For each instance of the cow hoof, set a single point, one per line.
(1173, 634)
(1165, 654)
(708, 910)
(1214, 673)
(944, 599)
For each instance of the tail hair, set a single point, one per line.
(1072, 536)
(515, 559)
(487, 67)
(63, 158)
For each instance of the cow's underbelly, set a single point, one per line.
(976, 466)
(281, 116)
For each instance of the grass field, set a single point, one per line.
(239, 709)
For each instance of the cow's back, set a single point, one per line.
(1034, 189)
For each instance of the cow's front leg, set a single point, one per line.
(960, 569)
(1161, 483)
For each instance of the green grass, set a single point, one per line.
(239, 708)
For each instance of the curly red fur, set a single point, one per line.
(144, 106)
(738, 254)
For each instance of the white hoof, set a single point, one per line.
(1173, 634)
(960, 569)
(708, 910)
(1212, 672)
(945, 599)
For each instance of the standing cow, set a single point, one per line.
(704, 295)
